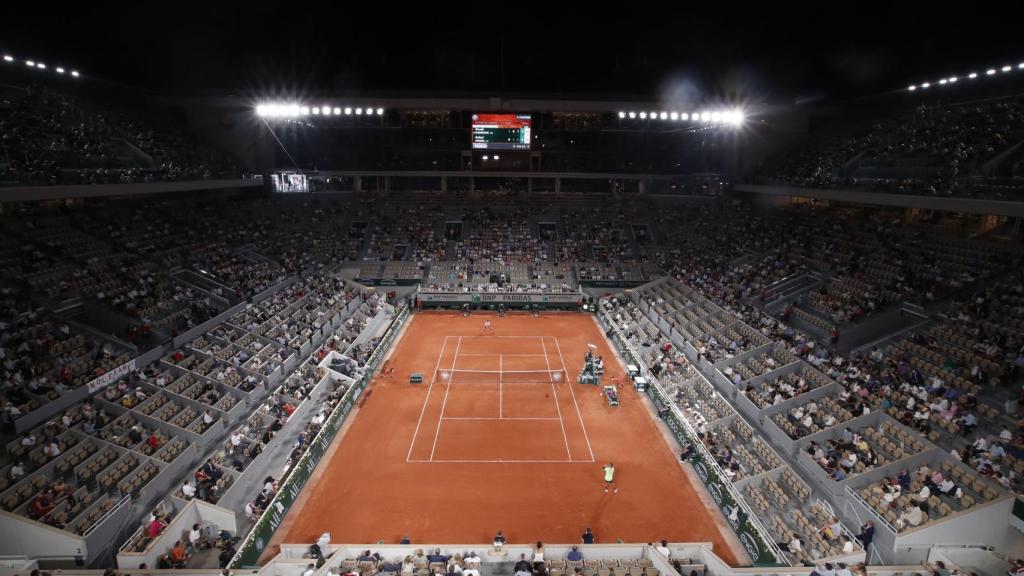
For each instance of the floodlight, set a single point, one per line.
(60, 70)
(337, 111)
(663, 116)
(380, 111)
(622, 114)
(675, 115)
(8, 58)
(912, 88)
(632, 114)
(74, 73)
(972, 75)
(348, 111)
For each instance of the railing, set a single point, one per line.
(259, 537)
(754, 537)
(124, 500)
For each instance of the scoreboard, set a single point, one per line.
(501, 131)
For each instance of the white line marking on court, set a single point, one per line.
(500, 461)
(496, 336)
(491, 355)
(445, 401)
(461, 381)
(429, 388)
(501, 360)
(553, 391)
(578, 415)
(492, 418)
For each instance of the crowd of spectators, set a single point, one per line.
(102, 449)
(51, 138)
(932, 149)
(739, 452)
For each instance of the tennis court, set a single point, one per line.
(500, 436)
(514, 391)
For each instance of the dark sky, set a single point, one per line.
(821, 51)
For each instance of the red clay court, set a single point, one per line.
(500, 437)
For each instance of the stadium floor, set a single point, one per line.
(469, 452)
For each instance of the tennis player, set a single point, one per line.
(609, 478)
(487, 326)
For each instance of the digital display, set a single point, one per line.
(289, 182)
(501, 131)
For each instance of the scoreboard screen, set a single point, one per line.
(501, 131)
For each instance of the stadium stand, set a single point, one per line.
(742, 455)
(221, 397)
(55, 138)
(830, 362)
(930, 148)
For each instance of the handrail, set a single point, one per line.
(783, 280)
(705, 452)
(124, 499)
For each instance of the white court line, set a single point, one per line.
(490, 384)
(497, 336)
(429, 388)
(445, 402)
(499, 461)
(557, 407)
(578, 415)
(490, 355)
(492, 418)
(501, 360)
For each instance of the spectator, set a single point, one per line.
(179, 558)
(867, 534)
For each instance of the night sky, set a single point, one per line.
(781, 55)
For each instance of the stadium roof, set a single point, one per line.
(783, 55)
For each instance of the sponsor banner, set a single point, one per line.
(110, 377)
(499, 297)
